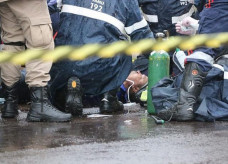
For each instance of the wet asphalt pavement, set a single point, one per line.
(131, 138)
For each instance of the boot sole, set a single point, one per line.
(73, 87)
(32, 118)
(109, 109)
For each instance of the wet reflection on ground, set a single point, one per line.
(17, 134)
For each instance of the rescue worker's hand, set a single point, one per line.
(188, 26)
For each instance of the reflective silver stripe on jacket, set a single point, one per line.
(180, 18)
(226, 75)
(202, 56)
(104, 17)
(151, 18)
(136, 26)
(222, 69)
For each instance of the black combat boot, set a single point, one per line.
(190, 89)
(74, 97)
(42, 110)
(110, 103)
(10, 108)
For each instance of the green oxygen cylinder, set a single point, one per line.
(158, 68)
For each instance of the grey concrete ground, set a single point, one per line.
(124, 138)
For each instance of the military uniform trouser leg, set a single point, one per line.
(26, 22)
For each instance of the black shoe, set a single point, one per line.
(10, 107)
(74, 97)
(176, 114)
(110, 103)
(42, 110)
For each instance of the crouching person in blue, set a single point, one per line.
(96, 21)
(213, 19)
(162, 15)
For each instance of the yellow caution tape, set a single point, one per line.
(120, 47)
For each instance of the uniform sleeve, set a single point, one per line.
(136, 26)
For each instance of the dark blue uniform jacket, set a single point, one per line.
(97, 21)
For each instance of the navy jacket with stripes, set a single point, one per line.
(97, 21)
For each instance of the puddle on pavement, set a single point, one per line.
(17, 134)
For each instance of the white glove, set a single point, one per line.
(188, 26)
